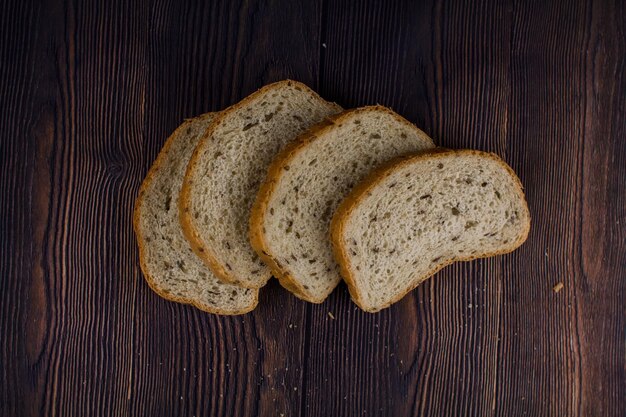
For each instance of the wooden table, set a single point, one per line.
(89, 92)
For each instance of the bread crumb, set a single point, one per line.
(558, 287)
(331, 315)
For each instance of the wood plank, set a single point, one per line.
(73, 320)
(548, 357)
(205, 56)
(599, 289)
(428, 353)
(540, 326)
(25, 140)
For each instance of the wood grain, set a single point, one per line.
(89, 92)
(206, 56)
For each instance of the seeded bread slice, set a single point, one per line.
(227, 167)
(290, 222)
(421, 213)
(169, 265)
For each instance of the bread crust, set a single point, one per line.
(268, 187)
(348, 205)
(152, 283)
(259, 208)
(202, 250)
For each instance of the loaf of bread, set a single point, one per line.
(290, 222)
(420, 213)
(169, 265)
(226, 170)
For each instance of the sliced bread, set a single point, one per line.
(421, 213)
(169, 265)
(290, 222)
(227, 167)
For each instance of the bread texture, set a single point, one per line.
(169, 265)
(420, 213)
(290, 221)
(226, 170)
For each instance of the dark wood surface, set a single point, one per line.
(89, 92)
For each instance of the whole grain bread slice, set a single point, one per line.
(290, 222)
(227, 167)
(169, 265)
(420, 213)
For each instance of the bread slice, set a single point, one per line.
(290, 222)
(171, 268)
(227, 167)
(421, 213)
